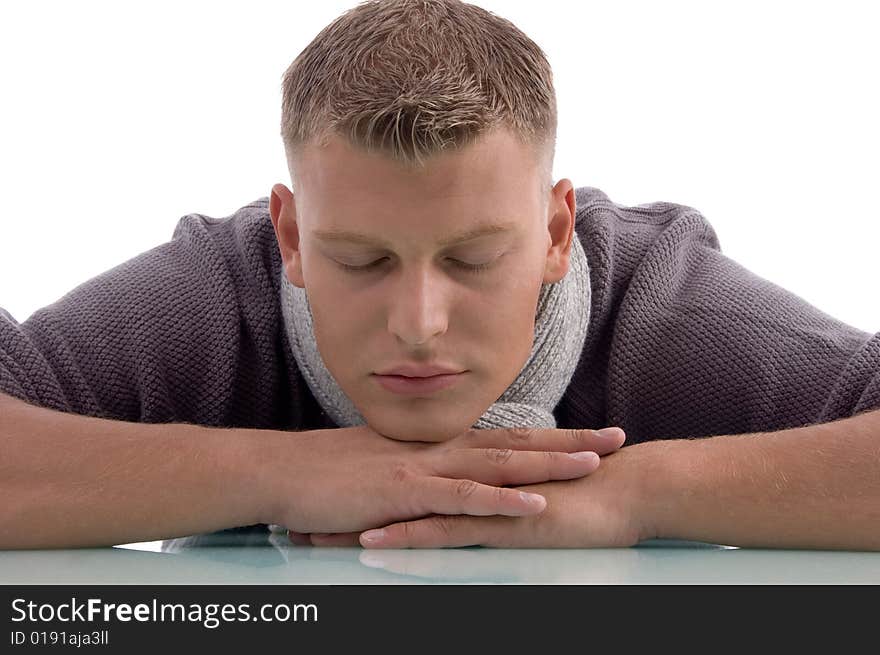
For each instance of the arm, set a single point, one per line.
(810, 487)
(73, 481)
(70, 481)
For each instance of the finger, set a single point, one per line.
(504, 466)
(299, 538)
(567, 440)
(333, 539)
(445, 496)
(339, 539)
(437, 532)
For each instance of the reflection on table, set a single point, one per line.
(255, 556)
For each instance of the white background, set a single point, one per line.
(118, 118)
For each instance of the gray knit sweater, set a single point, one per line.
(682, 341)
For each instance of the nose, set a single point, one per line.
(417, 307)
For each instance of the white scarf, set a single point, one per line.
(562, 317)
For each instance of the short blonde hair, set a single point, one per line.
(411, 78)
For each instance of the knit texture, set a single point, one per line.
(561, 317)
(682, 341)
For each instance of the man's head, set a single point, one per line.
(412, 122)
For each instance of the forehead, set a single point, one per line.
(477, 231)
(493, 183)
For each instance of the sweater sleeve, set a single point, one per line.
(702, 346)
(179, 333)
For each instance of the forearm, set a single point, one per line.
(811, 487)
(70, 481)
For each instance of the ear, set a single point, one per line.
(560, 225)
(282, 209)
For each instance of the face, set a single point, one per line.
(412, 289)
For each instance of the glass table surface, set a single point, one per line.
(257, 556)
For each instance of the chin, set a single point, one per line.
(417, 427)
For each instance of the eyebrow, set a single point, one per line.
(460, 237)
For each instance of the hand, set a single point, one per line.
(428, 524)
(350, 479)
(603, 510)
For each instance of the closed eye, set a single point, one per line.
(470, 268)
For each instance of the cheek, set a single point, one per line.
(334, 303)
(335, 322)
(516, 305)
(509, 327)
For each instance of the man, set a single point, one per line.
(427, 325)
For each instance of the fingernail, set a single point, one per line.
(533, 499)
(584, 455)
(609, 432)
(373, 536)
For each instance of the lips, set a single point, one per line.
(415, 386)
(420, 370)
